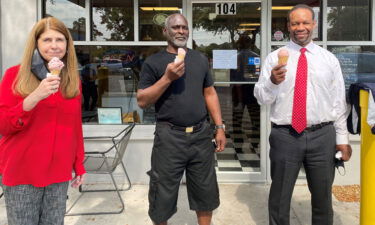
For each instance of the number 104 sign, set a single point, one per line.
(226, 8)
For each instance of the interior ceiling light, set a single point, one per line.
(246, 29)
(250, 25)
(280, 8)
(160, 8)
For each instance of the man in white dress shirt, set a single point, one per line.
(308, 115)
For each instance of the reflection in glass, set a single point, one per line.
(241, 114)
(239, 32)
(112, 20)
(357, 63)
(348, 20)
(280, 9)
(110, 77)
(248, 61)
(222, 31)
(152, 15)
(237, 37)
(74, 20)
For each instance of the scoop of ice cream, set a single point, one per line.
(180, 55)
(283, 56)
(283, 52)
(55, 64)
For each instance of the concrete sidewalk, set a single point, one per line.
(241, 204)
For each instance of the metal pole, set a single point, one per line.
(367, 215)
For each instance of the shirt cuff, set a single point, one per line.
(79, 169)
(21, 117)
(342, 139)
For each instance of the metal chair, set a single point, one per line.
(105, 162)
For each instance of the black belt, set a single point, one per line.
(190, 129)
(310, 128)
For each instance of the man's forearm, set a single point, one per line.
(213, 105)
(150, 95)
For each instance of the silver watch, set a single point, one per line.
(221, 126)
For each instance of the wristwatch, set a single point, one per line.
(221, 126)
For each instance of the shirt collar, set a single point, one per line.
(310, 46)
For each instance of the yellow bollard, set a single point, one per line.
(367, 214)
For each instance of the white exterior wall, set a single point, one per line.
(17, 19)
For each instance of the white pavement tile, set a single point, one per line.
(228, 163)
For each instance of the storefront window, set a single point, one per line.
(236, 37)
(112, 20)
(280, 9)
(152, 15)
(348, 20)
(357, 63)
(110, 77)
(74, 20)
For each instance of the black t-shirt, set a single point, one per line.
(183, 102)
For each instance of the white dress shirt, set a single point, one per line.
(371, 110)
(325, 89)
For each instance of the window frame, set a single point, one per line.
(136, 41)
(41, 9)
(325, 43)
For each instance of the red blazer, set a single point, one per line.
(42, 146)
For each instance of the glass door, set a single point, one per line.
(229, 34)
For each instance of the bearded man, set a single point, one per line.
(183, 93)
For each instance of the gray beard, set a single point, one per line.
(179, 44)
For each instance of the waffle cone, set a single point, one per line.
(55, 72)
(283, 59)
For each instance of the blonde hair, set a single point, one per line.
(26, 82)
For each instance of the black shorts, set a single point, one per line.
(174, 152)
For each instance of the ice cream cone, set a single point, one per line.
(283, 56)
(283, 60)
(55, 66)
(55, 72)
(180, 55)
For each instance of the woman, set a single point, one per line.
(42, 130)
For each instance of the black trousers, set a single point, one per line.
(289, 150)
(175, 152)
